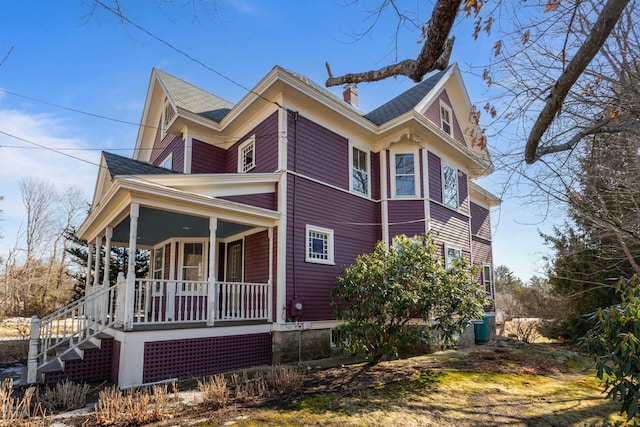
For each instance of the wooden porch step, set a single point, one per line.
(53, 365)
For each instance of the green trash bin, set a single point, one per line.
(481, 330)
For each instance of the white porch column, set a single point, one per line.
(87, 284)
(96, 267)
(131, 272)
(211, 292)
(106, 284)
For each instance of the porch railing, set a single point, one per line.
(184, 301)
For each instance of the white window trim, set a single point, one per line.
(241, 166)
(169, 159)
(330, 246)
(416, 170)
(447, 246)
(444, 202)
(368, 153)
(447, 108)
(485, 281)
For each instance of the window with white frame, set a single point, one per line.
(193, 261)
(247, 155)
(451, 253)
(450, 186)
(486, 278)
(319, 248)
(445, 118)
(158, 263)
(167, 163)
(166, 117)
(405, 174)
(359, 171)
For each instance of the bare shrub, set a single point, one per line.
(525, 330)
(283, 380)
(23, 412)
(248, 389)
(132, 407)
(215, 391)
(64, 396)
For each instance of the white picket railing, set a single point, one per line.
(71, 326)
(184, 301)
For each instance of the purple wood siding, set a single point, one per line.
(256, 258)
(266, 143)
(207, 158)
(173, 145)
(463, 193)
(421, 172)
(262, 200)
(354, 221)
(274, 266)
(435, 177)
(433, 113)
(406, 217)
(374, 175)
(221, 261)
(480, 222)
(450, 227)
(481, 251)
(167, 261)
(317, 152)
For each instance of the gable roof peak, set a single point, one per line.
(408, 99)
(189, 97)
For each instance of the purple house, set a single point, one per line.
(249, 212)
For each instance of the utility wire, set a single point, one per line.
(119, 14)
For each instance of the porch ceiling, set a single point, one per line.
(155, 226)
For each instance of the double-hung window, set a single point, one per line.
(450, 186)
(405, 174)
(445, 118)
(451, 253)
(247, 155)
(319, 248)
(486, 278)
(359, 171)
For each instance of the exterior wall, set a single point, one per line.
(262, 200)
(433, 114)
(481, 251)
(480, 222)
(95, 366)
(266, 143)
(317, 152)
(463, 194)
(173, 145)
(318, 205)
(435, 177)
(450, 227)
(256, 258)
(207, 158)
(375, 176)
(189, 358)
(406, 217)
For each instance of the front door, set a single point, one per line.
(234, 261)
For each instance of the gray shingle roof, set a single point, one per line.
(120, 165)
(405, 101)
(193, 99)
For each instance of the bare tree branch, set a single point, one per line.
(603, 26)
(434, 55)
(6, 56)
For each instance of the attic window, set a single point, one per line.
(445, 118)
(166, 118)
(247, 155)
(167, 163)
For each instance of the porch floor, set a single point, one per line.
(191, 325)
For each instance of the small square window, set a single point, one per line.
(319, 245)
(247, 155)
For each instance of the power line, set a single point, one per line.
(119, 14)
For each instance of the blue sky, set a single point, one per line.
(64, 54)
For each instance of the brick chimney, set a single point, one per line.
(350, 94)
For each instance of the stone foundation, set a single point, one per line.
(312, 345)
